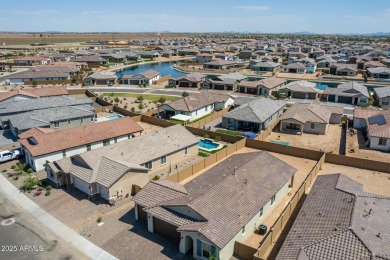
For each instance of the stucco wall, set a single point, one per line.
(374, 144)
(124, 185)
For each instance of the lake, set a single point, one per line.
(164, 68)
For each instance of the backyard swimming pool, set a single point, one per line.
(208, 145)
(114, 117)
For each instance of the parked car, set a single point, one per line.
(8, 155)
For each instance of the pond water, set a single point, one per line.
(164, 68)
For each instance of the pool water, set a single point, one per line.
(165, 68)
(321, 86)
(114, 117)
(207, 144)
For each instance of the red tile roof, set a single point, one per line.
(74, 137)
(35, 92)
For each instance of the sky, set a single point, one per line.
(265, 16)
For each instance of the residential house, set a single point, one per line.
(220, 64)
(343, 69)
(149, 54)
(114, 57)
(255, 116)
(264, 66)
(197, 105)
(224, 82)
(114, 171)
(339, 220)
(247, 55)
(311, 65)
(63, 56)
(263, 87)
(33, 60)
(31, 93)
(191, 52)
(377, 125)
(379, 72)
(382, 95)
(42, 145)
(295, 67)
(37, 75)
(204, 58)
(309, 118)
(147, 77)
(101, 78)
(188, 213)
(93, 61)
(207, 50)
(301, 89)
(350, 92)
(191, 80)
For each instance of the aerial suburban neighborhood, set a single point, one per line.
(234, 132)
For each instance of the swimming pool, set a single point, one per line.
(208, 145)
(114, 117)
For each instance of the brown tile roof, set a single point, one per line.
(35, 131)
(149, 74)
(379, 125)
(196, 101)
(228, 195)
(271, 82)
(35, 92)
(339, 221)
(307, 113)
(78, 136)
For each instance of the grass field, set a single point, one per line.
(228, 132)
(146, 96)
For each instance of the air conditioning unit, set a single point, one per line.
(262, 229)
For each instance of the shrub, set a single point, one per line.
(29, 170)
(206, 136)
(156, 177)
(202, 154)
(13, 167)
(218, 138)
(99, 219)
(37, 193)
(16, 178)
(141, 106)
(162, 100)
(185, 94)
(140, 98)
(10, 174)
(125, 107)
(49, 188)
(31, 183)
(47, 193)
(132, 109)
(4, 170)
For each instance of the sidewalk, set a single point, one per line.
(51, 223)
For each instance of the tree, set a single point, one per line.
(141, 106)
(132, 109)
(140, 98)
(34, 83)
(185, 94)
(162, 100)
(116, 100)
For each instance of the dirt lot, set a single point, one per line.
(375, 182)
(328, 143)
(356, 142)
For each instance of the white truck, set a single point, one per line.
(7, 155)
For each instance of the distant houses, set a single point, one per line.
(101, 78)
(147, 77)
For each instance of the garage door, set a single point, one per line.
(252, 91)
(331, 98)
(79, 184)
(220, 87)
(142, 215)
(184, 84)
(346, 100)
(165, 229)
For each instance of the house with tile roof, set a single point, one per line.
(301, 89)
(295, 67)
(114, 170)
(208, 214)
(379, 72)
(191, 80)
(196, 105)
(42, 145)
(376, 124)
(264, 66)
(309, 118)
(254, 116)
(101, 78)
(350, 92)
(263, 87)
(146, 77)
(224, 82)
(382, 95)
(338, 220)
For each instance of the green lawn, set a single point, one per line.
(228, 132)
(146, 96)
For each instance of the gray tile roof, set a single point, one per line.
(379, 70)
(149, 74)
(103, 75)
(307, 113)
(228, 195)
(302, 86)
(382, 92)
(257, 111)
(349, 89)
(241, 100)
(45, 117)
(111, 162)
(339, 221)
(42, 103)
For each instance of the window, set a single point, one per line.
(92, 118)
(243, 230)
(207, 108)
(385, 102)
(81, 120)
(51, 174)
(149, 165)
(230, 121)
(382, 141)
(363, 100)
(129, 136)
(273, 199)
(64, 153)
(115, 140)
(206, 250)
(88, 147)
(106, 142)
(261, 212)
(163, 160)
(186, 151)
(314, 125)
(69, 121)
(56, 124)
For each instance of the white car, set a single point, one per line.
(8, 155)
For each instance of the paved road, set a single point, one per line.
(35, 227)
(172, 92)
